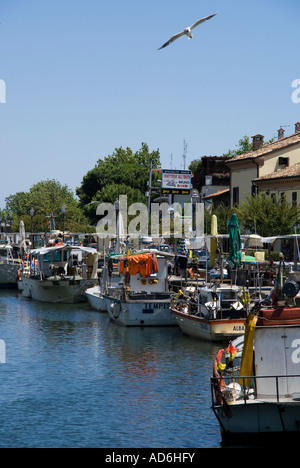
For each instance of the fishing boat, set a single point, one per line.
(212, 313)
(218, 311)
(109, 278)
(60, 274)
(96, 299)
(256, 400)
(9, 267)
(145, 296)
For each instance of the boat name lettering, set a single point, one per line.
(296, 353)
(239, 328)
(158, 306)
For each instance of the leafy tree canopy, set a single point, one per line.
(45, 197)
(196, 167)
(244, 146)
(18, 204)
(122, 173)
(223, 214)
(270, 217)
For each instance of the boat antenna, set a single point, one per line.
(184, 153)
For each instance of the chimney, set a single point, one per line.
(281, 133)
(297, 127)
(258, 141)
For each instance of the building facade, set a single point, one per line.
(272, 169)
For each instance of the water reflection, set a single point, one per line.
(73, 378)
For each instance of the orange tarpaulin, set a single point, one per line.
(144, 264)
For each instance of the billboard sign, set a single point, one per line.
(176, 182)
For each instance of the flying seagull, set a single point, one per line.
(187, 31)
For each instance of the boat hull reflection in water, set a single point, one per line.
(73, 379)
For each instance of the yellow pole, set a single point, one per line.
(247, 355)
(213, 240)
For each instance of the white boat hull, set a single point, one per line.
(9, 275)
(96, 300)
(259, 422)
(141, 312)
(209, 330)
(67, 291)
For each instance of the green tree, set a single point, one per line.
(122, 173)
(49, 196)
(223, 214)
(45, 197)
(110, 193)
(244, 146)
(18, 204)
(270, 217)
(196, 167)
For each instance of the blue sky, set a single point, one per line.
(85, 77)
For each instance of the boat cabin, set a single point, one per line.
(6, 253)
(64, 261)
(225, 295)
(156, 282)
(218, 301)
(146, 272)
(277, 350)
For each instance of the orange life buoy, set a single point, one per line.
(219, 383)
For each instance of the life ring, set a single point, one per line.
(218, 381)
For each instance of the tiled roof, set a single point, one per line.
(287, 172)
(216, 194)
(269, 148)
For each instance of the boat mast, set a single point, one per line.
(149, 195)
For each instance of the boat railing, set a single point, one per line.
(182, 305)
(227, 390)
(217, 283)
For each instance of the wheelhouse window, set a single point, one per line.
(57, 256)
(47, 257)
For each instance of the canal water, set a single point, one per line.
(71, 378)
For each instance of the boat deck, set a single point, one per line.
(268, 400)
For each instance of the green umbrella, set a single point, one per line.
(235, 254)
